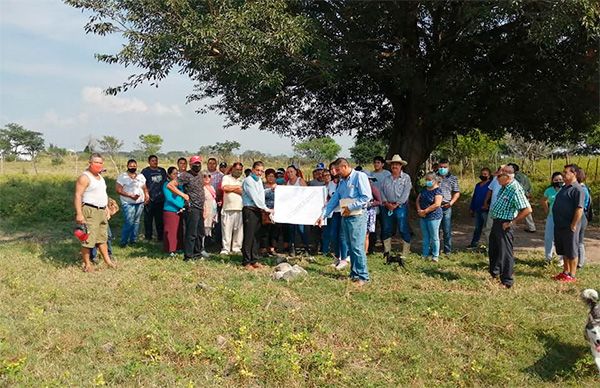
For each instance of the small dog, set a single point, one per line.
(389, 259)
(592, 328)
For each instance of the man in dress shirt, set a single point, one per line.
(395, 190)
(253, 199)
(353, 194)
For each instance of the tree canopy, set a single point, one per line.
(320, 149)
(150, 144)
(413, 73)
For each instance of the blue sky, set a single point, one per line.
(51, 83)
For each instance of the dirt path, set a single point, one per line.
(462, 233)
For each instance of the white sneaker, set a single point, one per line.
(224, 252)
(341, 265)
(560, 262)
(204, 254)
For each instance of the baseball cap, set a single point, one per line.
(223, 164)
(195, 159)
(320, 166)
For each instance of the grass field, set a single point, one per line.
(147, 323)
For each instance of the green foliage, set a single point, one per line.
(111, 146)
(221, 151)
(422, 72)
(57, 154)
(18, 141)
(365, 150)
(320, 149)
(150, 144)
(474, 150)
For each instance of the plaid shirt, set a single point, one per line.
(449, 186)
(511, 199)
(396, 189)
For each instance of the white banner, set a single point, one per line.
(299, 205)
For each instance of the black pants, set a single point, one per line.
(153, 213)
(194, 231)
(252, 221)
(502, 261)
(270, 235)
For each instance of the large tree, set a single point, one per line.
(17, 141)
(411, 72)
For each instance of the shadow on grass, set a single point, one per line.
(440, 274)
(559, 359)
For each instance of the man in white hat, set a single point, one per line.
(395, 190)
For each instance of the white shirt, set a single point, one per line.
(494, 187)
(132, 186)
(95, 193)
(232, 201)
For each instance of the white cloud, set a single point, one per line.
(161, 109)
(95, 96)
(52, 119)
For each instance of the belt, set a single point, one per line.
(94, 206)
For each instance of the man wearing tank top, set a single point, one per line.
(90, 203)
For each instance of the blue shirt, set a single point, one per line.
(479, 194)
(426, 199)
(173, 202)
(357, 187)
(253, 192)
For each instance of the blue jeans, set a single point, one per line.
(480, 218)
(132, 212)
(94, 251)
(400, 215)
(549, 238)
(447, 229)
(332, 237)
(354, 230)
(431, 237)
(303, 235)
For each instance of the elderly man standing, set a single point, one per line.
(90, 203)
(510, 207)
(567, 212)
(353, 194)
(450, 194)
(231, 213)
(253, 198)
(395, 190)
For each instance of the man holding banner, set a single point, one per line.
(352, 195)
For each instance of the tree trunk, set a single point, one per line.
(34, 165)
(412, 142)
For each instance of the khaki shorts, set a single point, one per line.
(97, 226)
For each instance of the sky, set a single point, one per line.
(50, 82)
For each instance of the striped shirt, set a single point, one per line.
(511, 199)
(396, 189)
(449, 186)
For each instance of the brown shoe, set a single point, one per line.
(249, 267)
(360, 283)
(258, 265)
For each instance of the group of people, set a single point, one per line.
(233, 207)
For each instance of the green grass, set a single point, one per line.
(146, 323)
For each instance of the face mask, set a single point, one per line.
(255, 177)
(429, 183)
(95, 168)
(443, 171)
(483, 178)
(132, 170)
(280, 181)
(558, 184)
(196, 168)
(236, 173)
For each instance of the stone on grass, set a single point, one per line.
(204, 287)
(283, 267)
